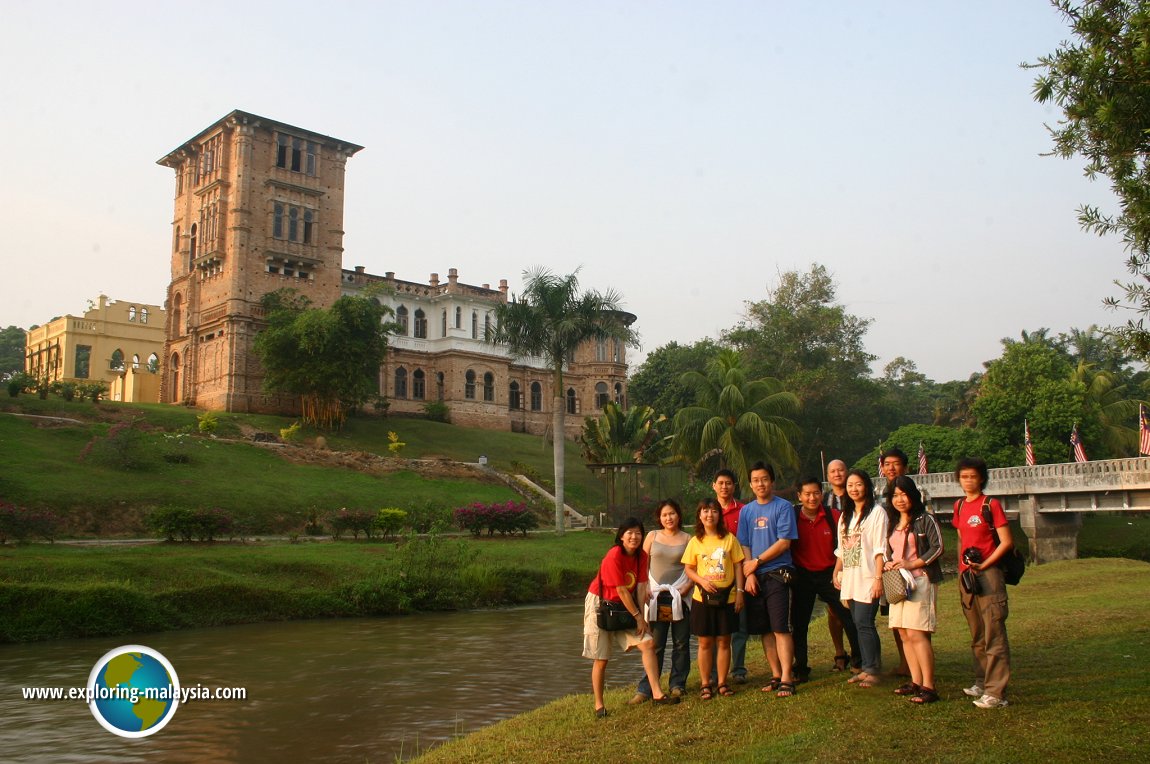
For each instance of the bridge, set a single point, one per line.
(1050, 499)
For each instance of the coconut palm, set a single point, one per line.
(549, 321)
(621, 436)
(1116, 412)
(737, 420)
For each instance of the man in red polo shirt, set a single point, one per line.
(814, 558)
(724, 487)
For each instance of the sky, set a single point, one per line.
(682, 153)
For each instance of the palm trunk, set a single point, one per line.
(558, 437)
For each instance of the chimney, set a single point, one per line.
(434, 280)
(359, 269)
(503, 287)
(452, 276)
(389, 275)
(486, 286)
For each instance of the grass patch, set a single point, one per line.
(1080, 639)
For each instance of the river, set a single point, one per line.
(355, 690)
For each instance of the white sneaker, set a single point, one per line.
(974, 691)
(989, 701)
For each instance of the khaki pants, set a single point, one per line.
(986, 615)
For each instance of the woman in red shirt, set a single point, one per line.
(622, 578)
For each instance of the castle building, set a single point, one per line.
(259, 207)
(116, 342)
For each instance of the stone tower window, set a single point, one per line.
(513, 395)
(489, 387)
(458, 317)
(296, 154)
(536, 396)
(474, 325)
(418, 385)
(469, 385)
(443, 329)
(132, 313)
(601, 396)
(401, 320)
(420, 324)
(572, 401)
(143, 315)
(401, 382)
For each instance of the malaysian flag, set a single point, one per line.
(1029, 444)
(921, 459)
(1144, 425)
(1076, 444)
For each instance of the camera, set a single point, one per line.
(970, 555)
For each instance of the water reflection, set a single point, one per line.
(346, 690)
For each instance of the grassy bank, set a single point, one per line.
(267, 492)
(64, 591)
(1080, 638)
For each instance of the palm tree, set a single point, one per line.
(1115, 409)
(619, 437)
(549, 321)
(736, 419)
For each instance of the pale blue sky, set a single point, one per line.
(683, 152)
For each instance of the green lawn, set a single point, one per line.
(1080, 641)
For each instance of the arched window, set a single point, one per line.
(177, 315)
(618, 351)
(489, 387)
(439, 386)
(401, 320)
(458, 317)
(153, 363)
(143, 315)
(420, 323)
(135, 361)
(486, 325)
(401, 382)
(443, 327)
(174, 370)
(513, 395)
(132, 313)
(117, 359)
(474, 325)
(192, 247)
(176, 243)
(619, 393)
(572, 401)
(536, 396)
(601, 396)
(418, 385)
(601, 350)
(469, 385)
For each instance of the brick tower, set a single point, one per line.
(258, 207)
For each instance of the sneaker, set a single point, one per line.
(989, 701)
(638, 699)
(974, 691)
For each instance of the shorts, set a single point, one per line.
(713, 620)
(597, 644)
(770, 611)
(917, 611)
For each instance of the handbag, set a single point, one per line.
(717, 598)
(893, 584)
(612, 615)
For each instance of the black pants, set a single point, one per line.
(807, 586)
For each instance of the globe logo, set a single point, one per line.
(133, 691)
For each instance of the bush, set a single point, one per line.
(208, 422)
(389, 521)
(191, 524)
(353, 520)
(437, 411)
(430, 518)
(125, 446)
(21, 523)
(66, 390)
(506, 518)
(394, 444)
(91, 391)
(290, 434)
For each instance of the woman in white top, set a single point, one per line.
(668, 607)
(858, 571)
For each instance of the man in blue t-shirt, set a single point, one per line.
(766, 529)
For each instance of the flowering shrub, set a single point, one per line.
(507, 518)
(21, 523)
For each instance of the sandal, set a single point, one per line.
(868, 683)
(786, 690)
(725, 691)
(926, 695)
(773, 685)
(909, 688)
(842, 662)
(706, 693)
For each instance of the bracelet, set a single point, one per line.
(635, 614)
(740, 591)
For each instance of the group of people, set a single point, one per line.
(759, 567)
